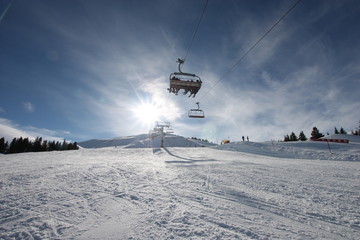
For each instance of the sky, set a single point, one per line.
(86, 69)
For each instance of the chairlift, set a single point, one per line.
(187, 81)
(169, 130)
(196, 113)
(162, 127)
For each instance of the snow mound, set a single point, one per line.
(143, 141)
(299, 150)
(101, 143)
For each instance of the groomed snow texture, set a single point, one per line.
(138, 190)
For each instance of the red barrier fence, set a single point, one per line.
(330, 140)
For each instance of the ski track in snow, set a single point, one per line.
(176, 193)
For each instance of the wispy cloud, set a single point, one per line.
(296, 103)
(10, 130)
(115, 79)
(288, 83)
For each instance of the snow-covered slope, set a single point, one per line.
(249, 191)
(299, 150)
(121, 141)
(144, 141)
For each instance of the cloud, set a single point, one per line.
(29, 107)
(296, 103)
(287, 83)
(10, 130)
(114, 79)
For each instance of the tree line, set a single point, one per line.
(199, 139)
(293, 137)
(317, 134)
(20, 145)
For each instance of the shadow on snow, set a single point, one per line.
(186, 160)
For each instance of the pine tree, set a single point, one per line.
(302, 136)
(293, 137)
(64, 145)
(336, 131)
(286, 138)
(37, 144)
(2, 145)
(342, 131)
(20, 145)
(316, 134)
(58, 146)
(13, 148)
(26, 145)
(44, 146)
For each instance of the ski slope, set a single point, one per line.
(151, 140)
(242, 190)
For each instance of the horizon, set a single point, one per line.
(334, 136)
(81, 70)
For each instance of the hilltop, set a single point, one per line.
(145, 141)
(296, 150)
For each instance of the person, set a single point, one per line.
(243, 138)
(192, 92)
(176, 91)
(186, 90)
(247, 138)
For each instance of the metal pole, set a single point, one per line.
(162, 138)
(329, 146)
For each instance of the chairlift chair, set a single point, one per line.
(187, 81)
(196, 113)
(169, 130)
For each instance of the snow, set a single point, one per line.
(137, 190)
(144, 141)
(351, 138)
(299, 150)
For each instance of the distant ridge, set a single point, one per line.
(144, 141)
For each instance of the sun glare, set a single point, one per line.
(147, 113)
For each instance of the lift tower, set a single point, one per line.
(159, 128)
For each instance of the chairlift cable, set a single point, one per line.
(189, 82)
(252, 47)
(5, 11)
(196, 29)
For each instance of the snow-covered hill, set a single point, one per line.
(299, 150)
(249, 191)
(302, 150)
(144, 141)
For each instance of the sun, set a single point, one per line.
(147, 113)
